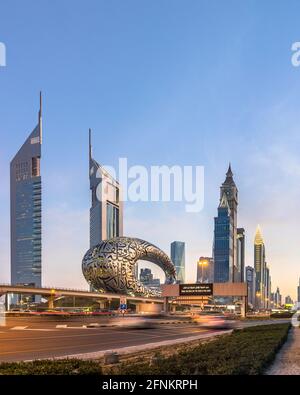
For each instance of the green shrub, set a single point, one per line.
(51, 367)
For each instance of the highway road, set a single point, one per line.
(26, 338)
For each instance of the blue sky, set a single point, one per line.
(159, 82)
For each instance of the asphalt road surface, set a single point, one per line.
(26, 338)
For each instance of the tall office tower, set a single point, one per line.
(223, 243)
(267, 288)
(205, 270)
(250, 279)
(288, 300)
(277, 298)
(178, 258)
(240, 253)
(298, 292)
(260, 269)
(229, 188)
(147, 278)
(26, 210)
(106, 212)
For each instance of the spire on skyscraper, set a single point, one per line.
(229, 171)
(90, 144)
(229, 177)
(258, 236)
(40, 118)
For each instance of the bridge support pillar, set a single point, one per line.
(51, 302)
(102, 304)
(166, 305)
(244, 307)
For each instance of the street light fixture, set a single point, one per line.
(202, 263)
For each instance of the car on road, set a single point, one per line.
(214, 320)
(133, 322)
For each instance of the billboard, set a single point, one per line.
(195, 289)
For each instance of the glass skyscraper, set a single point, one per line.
(205, 270)
(229, 188)
(250, 279)
(178, 258)
(106, 212)
(223, 243)
(260, 269)
(239, 274)
(26, 210)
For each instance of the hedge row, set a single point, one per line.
(51, 367)
(248, 351)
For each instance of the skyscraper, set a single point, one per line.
(229, 188)
(205, 270)
(298, 292)
(147, 278)
(106, 212)
(260, 269)
(277, 298)
(178, 258)
(240, 253)
(250, 279)
(288, 300)
(267, 288)
(223, 243)
(26, 210)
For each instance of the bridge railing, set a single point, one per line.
(44, 287)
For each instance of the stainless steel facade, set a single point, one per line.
(110, 266)
(26, 210)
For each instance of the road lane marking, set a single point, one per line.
(25, 328)
(18, 328)
(40, 330)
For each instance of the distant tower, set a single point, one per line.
(26, 210)
(260, 269)
(298, 293)
(205, 270)
(178, 258)
(106, 212)
(250, 279)
(229, 188)
(240, 253)
(223, 243)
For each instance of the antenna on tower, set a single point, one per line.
(40, 117)
(90, 143)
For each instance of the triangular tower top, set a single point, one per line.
(224, 202)
(229, 177)
(258, 240)
(229, 171)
